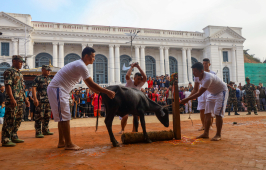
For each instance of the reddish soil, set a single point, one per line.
(243, 146)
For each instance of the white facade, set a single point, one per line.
(63, 43)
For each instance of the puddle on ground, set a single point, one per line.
(185, 140)
(96, 151)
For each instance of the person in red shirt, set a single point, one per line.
(150, 82)
(155, 96)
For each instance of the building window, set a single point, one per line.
(100, 74)
(43, 59)
(150, 66)
(225, 56)
(124, 59)
(4, 49)
(173, 65)
(3, 67)
(70, 58)
(226, 75)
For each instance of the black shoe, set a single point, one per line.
(236, 113)
(228, 113)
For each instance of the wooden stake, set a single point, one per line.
(176, 113)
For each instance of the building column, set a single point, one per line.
(137, 53)
(111, 65)
(83, 46)
(61, 55)
(90, 66)
(166, 52)
(142, 59)
(190, 76)
(15, 47)
(221, 62)
(184, 65)
(117, 64)
(233, 65)
(55, 52)
(162, 61)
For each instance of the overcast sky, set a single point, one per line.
(184, 15)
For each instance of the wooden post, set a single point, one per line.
(176, 113)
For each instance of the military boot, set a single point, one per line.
(39, 135)
(255, 113)
(8, 144)
(17, 140)
(236, 113)
(47, 133)
(248, 113)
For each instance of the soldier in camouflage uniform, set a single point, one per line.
(232, 98)
(43, 109)
(250, 96)
(15, 96)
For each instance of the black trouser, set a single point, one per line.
(169, 102)
(83, 108)
(26, 114)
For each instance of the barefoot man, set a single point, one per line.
(215, 101)
(60, 87)
(202, 99)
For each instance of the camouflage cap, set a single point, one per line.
(18, 57)
(46, 67)
(247, 78)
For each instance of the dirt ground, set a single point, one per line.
(242, 146)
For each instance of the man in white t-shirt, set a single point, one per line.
(202, 99)
(60, 87)
(216, 101)
(188, 106)
(139, 80)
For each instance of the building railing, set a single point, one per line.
(113, 30)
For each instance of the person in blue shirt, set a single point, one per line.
(2, 112)
(83, 102)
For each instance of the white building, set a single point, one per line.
(159, 52)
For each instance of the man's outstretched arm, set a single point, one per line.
(98, 89)
(194, 96)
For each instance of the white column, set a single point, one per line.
(189, 65)
(55, 52)
(166, 52)
(15, 47)
(111, 64)
(136, 53)
(117, 64)
(184, 61)
(233, 77)
(90, 66)
(161, 61)
(221, 62)
(142, 59)
(83, 46)
(61, 55)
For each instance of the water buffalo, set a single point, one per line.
(131, 101)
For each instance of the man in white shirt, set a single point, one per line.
(60, 87)
(215, 102)
(139, 81)
(188, 106)
(202, 99)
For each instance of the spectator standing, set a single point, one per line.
(257, 97)
(232, 98)
(2, 112)
(150, 82)
(167, 82)
(76, 104)
(262, 98)
(89, 96)
(261, 85)
(162, 81)
(83, 103)
(188, 106)
(96, 107)
(156, 83)
(181, 93)
(169, 96)
(2, 94)
(190, 87)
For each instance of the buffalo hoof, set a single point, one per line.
(148, 141)
(115, 144)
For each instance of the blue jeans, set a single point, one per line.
(74, 112)
(262, 104)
